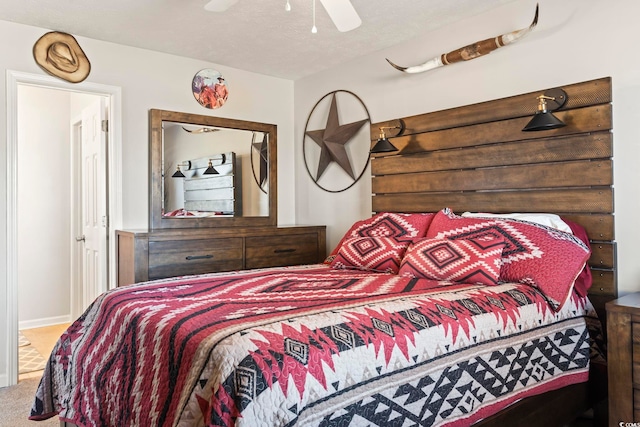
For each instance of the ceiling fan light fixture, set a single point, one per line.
(343, 14)
(314, 29)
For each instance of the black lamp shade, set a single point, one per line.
(543, 121)
(210, 170)
(178, 173)
(383, 146)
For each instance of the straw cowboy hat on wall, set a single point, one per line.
(60, 55)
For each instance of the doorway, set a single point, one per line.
(55, 204)
(16, 177)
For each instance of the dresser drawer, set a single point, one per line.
(277, 251)
(183, 257)
(147, 255)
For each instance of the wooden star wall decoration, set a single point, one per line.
(262, 150)
(333, 139)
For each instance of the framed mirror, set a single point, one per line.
(211, 172)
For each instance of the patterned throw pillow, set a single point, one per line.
(381, 254)
(401, 226)
(534, 254)
(476, 260)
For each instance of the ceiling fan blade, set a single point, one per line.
(342, 13)
(219, 5)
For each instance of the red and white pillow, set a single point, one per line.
(476, 260)
(380, 254)
(400, 226)
(544, 257)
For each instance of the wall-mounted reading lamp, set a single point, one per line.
(551, 100)
(210, 170)
(178, 173)
(383, 145)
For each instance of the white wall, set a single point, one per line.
(575, 40)
(78, 102)
(44, 199)
(149, 80)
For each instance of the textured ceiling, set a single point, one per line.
(254, 35)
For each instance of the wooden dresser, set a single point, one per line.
(623, 359)
(147, 255)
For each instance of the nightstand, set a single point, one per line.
(623, 359)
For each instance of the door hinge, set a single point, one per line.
(105, 125)
(105, 221)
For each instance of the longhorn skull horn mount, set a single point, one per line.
(471, 51)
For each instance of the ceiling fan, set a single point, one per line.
(341, 12)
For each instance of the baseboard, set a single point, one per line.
(4, 380)
(46, 321)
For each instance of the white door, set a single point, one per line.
(94, 201)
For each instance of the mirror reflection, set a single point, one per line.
(213, 172)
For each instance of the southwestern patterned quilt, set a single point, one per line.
(311, 346)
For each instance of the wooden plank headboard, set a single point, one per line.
(476, 158)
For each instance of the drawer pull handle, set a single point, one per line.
(283, 251)
(192, 257)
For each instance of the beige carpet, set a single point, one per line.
(15, 405)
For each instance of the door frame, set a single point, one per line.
(77, 291)
(114, 189)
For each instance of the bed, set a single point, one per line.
(377, 335)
